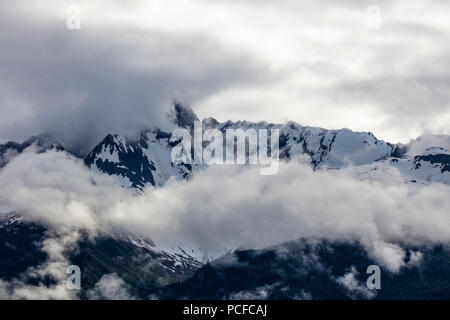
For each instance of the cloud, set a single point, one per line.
(57, 190)
(53, 269)
(259, 293)
(110, 287)
(350, 282)
(106, 77)
(314, 62)
(421, 144)
(334, 72)
(228, 207)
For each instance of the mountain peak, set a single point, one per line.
(183, 115)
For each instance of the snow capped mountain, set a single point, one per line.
(138, 163)
(334, 149)
(175, 259)
(146, 161)
(431, 164)
(422, 169)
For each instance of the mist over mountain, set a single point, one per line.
(224, 150)
(121, 70)
(126, 200)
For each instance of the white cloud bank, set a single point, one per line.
(110, 287)
(230, 207)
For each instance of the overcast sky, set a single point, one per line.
(319, 63)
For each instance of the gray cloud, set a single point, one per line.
(314, 62)
(334, 72)
(81, 85)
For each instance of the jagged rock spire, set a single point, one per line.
(183, 115)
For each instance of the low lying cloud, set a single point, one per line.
(355, 288)
(229, 207)
(110, 287)
(419, 145)
(260, 293)
(54, 268)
